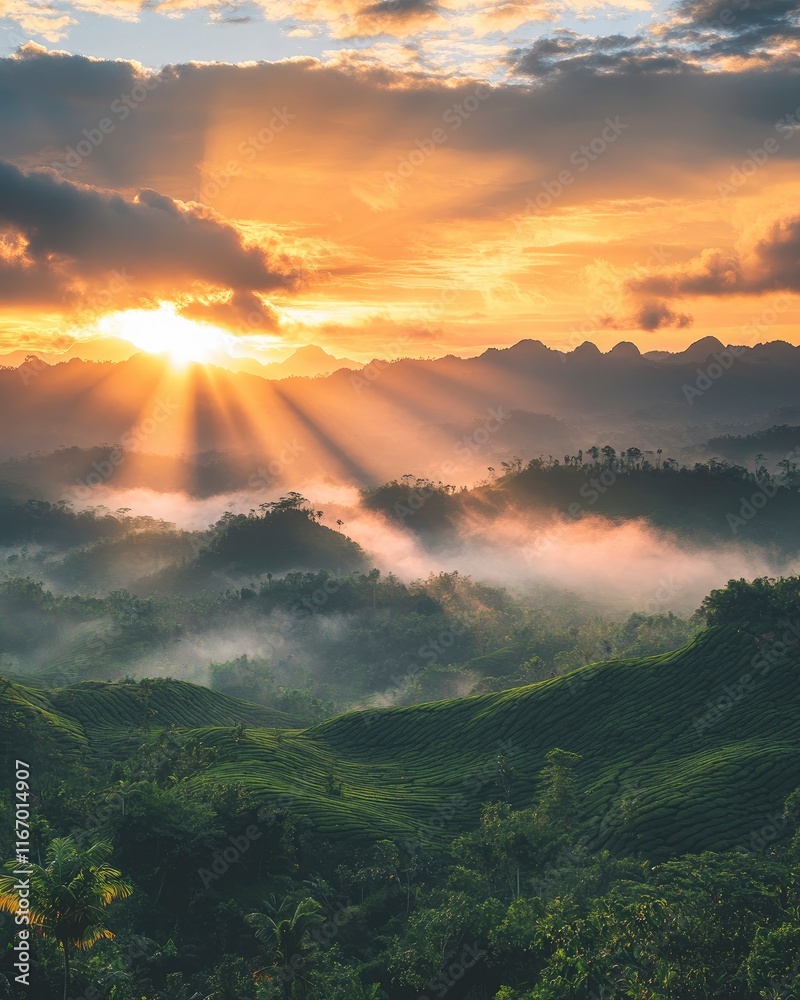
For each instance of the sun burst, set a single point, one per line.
(163, 331)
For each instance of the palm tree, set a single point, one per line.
(68, 894)
(284, 933)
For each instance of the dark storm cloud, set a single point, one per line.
(83, 233)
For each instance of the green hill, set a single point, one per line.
(283, 539)
(654, 777)
(95, 716)
(100, 705)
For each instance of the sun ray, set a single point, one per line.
(165, 331)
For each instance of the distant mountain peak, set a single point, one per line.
(701, 349)
(625, 351)
(307, 361)
(587, 351)
(532, 346)
(310, 352)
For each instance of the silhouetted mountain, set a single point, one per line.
(696, 353)
(308, 362)
(776, 350)
(700, 350)
(625, 351)
(448, 418)
(587, 352)
(100, 349)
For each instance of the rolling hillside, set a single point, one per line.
(90, 717)
(663, 769)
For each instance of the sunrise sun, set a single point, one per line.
(164, 331)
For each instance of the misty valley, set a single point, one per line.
(532, 737)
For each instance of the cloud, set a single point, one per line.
(374, 18)
(524, 134)
(340, 18)
(240, 311)
(566, 52)
(37, 19)
(695, 34)
(655, 315)
(505, 16)
(62, 235)
(727, 28)
(403, 18)
(322, 181)
(736, 15)
(761, 262)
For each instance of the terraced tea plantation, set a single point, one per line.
(688, 751)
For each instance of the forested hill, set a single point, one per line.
(689, 750)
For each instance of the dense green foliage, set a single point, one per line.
(508, 891)
(708, 502)
(610, 813)
(313, 643)
(762, 606)
(627, 830)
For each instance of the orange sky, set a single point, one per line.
(391, 210)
